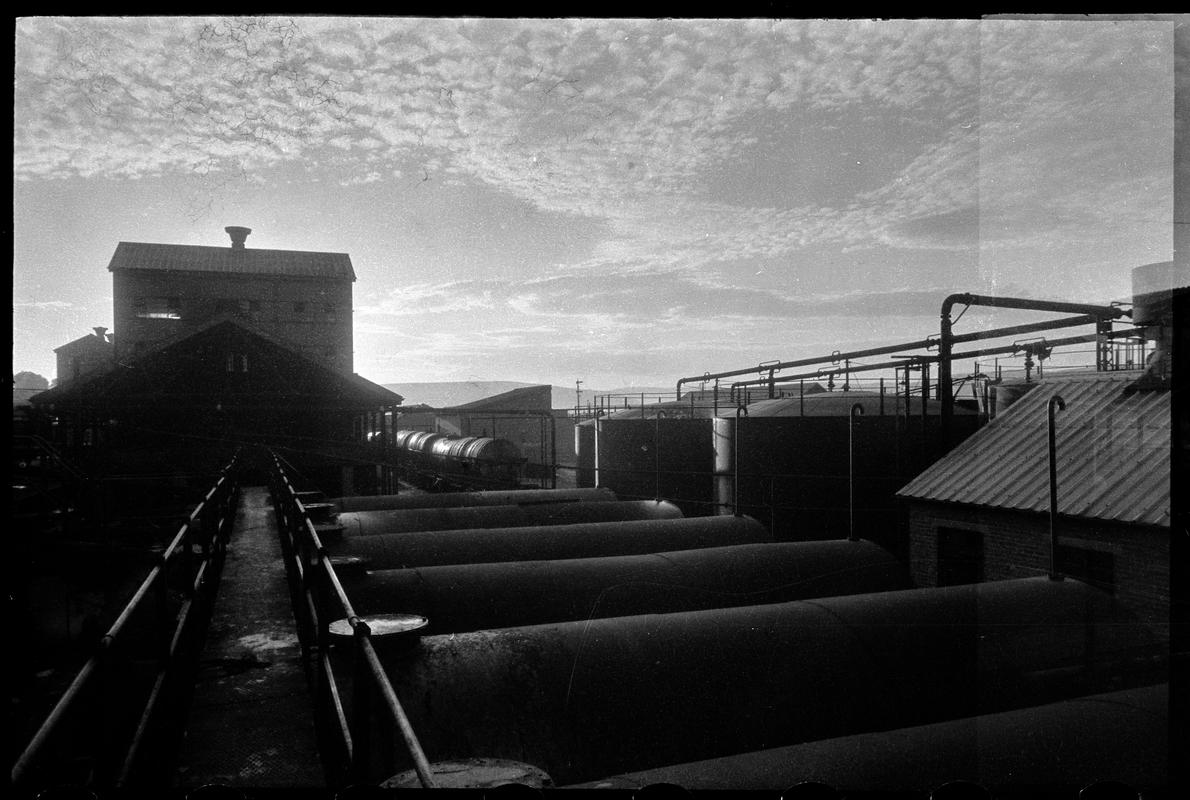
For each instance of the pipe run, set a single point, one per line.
(918, 360)
(946, 334)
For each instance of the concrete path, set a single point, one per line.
(250, 723)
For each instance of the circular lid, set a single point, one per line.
(474, 773)
(381, 625)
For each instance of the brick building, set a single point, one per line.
(299, 297)
(981, 513)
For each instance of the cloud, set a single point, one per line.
(1017, 137)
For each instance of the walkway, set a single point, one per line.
(250, 723)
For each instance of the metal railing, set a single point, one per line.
(95, 725)
(318, 600)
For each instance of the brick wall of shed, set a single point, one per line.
(1016, 545)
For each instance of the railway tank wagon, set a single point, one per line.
(441, 462)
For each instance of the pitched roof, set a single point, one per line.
(526, 398)
(1113, 454)
(82, 387)
(90, 341)
(200, 258)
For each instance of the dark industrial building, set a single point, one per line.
(84, 355)
(300, 298)
(216, 347)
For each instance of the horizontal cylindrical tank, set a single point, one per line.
(599, 697)
(370, 523)
(1118, 736)
(517, 497)
(422, 441)
(470, 597)
(548, 542)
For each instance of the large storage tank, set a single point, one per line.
(370, 523)
(1117, 736)
(545, 542)
(583, 700)
(499, 497)
(469, 597)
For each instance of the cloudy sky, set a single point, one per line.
(621, 202)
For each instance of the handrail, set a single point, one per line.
(311, 595)
(48, 448)
(212, 537)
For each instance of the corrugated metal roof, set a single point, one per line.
(1112, 455)
(199, 258)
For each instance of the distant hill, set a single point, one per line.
(443, 394)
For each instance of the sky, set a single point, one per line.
(622, 202)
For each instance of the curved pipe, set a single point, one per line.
(857, 410)
(735, 454)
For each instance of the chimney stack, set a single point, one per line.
(101, 333)
(238, 235)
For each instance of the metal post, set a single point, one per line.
(735, 454)
(945, 348)
(857, 410)
(908, 398)
(1103, 345)
(1056, 402)
(361, 700)
(657, 455)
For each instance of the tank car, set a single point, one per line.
(441, 462)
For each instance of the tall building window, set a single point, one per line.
(157, 307)
(237, 362)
